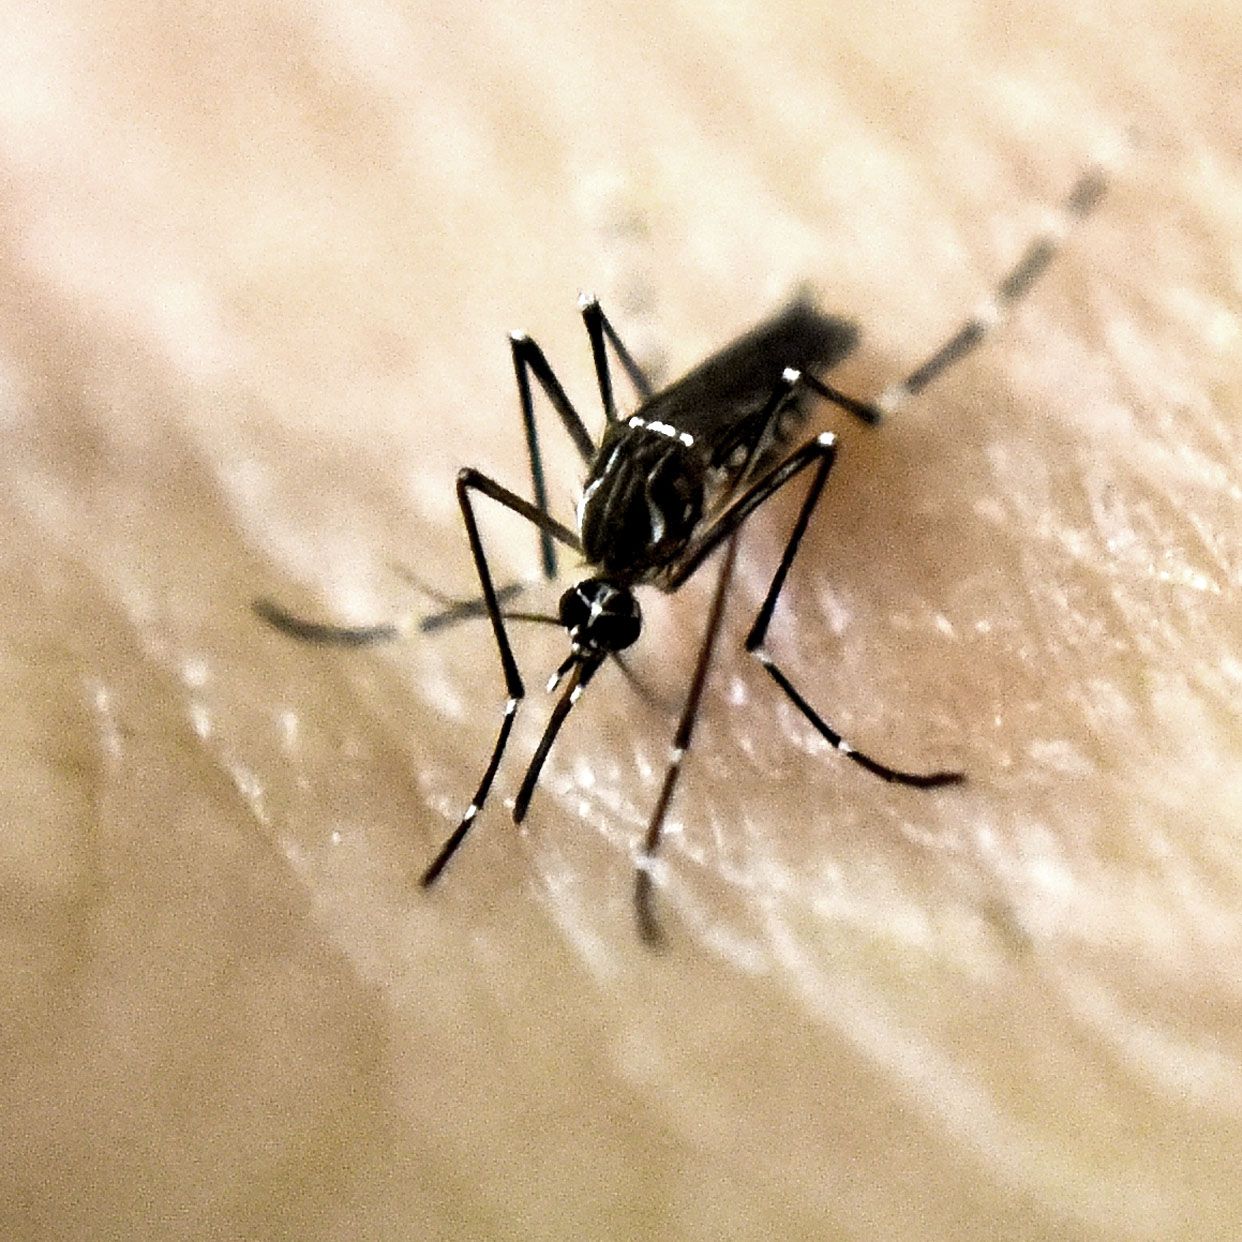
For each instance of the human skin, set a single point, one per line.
(259, 266)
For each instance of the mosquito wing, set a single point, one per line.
(732, 386)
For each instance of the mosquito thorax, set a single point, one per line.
(600, 615)
(641, 502)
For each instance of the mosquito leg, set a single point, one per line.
(759, 630)
(454, 611)
(320, 634)
(601, 332)
(820, 453)
(469, 481)
(1016, 283)
(528, 358)
(869, 414)
(740, 509)
(580, 674)
(648, 927)
(1012, 287)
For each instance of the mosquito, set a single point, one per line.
(666, 487)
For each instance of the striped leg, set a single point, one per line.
(603, 334)
(529, 359)
(648, 928)
(468, 482)
(1017, 282)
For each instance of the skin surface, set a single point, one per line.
(259, 262)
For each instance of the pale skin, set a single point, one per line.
(260, 266)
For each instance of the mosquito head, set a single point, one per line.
(601, 616)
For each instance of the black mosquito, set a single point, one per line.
(666, 487)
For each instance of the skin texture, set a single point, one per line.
(259, 263)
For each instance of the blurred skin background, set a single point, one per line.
(259, 263)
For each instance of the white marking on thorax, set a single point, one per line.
(655, 516)
(662, 429)
(585, 498)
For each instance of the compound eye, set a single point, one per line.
(574, 608)
(616, 630)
